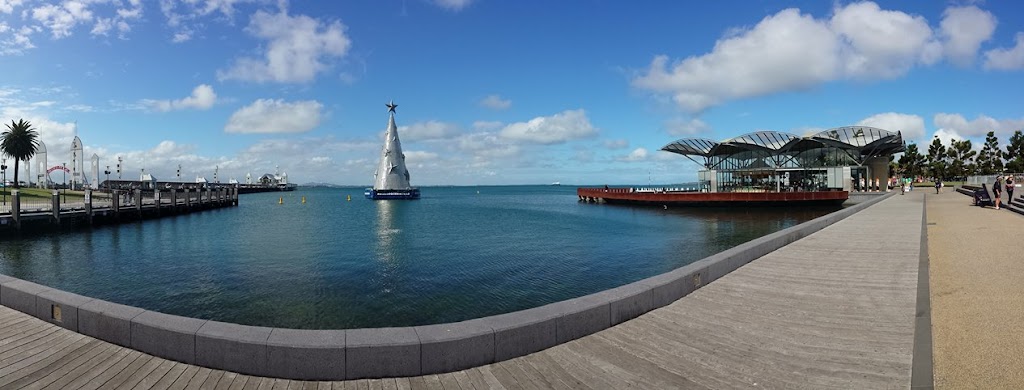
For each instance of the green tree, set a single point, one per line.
(937, 159)
(20, 142)
(1015, 153)
(961, 158)
(912, 162)
(990, 158)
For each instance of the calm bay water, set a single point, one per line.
(457, 253)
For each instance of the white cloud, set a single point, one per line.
(882, 43)
(181, 36)
(61, 19)
(1007, 59)
(791, 51)
(8, 6)
(202, 98)
(18, 42)
(487, 125)
(638, 154)
(297, 48)
(496, 102)
(773, 56)
(453, 5)
(559, 128)
(947, 135)
(275, 116)
(978, 127)
(681, 127)
(419, 156)
(910, 126)
(429, 130)
(963, 30)
(616, 144)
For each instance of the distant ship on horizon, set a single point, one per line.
(557, 183)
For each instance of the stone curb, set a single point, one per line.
(387, 352)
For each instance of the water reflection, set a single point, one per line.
(389, 243)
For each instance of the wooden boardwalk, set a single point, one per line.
(833, 310)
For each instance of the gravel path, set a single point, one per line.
(977, 294)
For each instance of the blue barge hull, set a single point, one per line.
(392, 194)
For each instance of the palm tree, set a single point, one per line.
(20, 142)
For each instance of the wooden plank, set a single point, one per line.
(536, 377)
(376, 384)
(239, 382)
(553, 371)
(198, 379)
(174, 371)
(490, 380)
(90, 369)
(280, 384)
(266, 384)
(476, 378)
(109, 371)
(403, 383)
(417, 383)
(462, 379)
(433, 382)
(503, 376)
(225, 381)
(182, 380)
(212, 380)
(389, 384)
(163, 367)
(51, 373)
(254, 383)
(31, 344)
(141, 373)
(448, 382)
(139, 366)
(323, 385)
(41, 358)
(359, 384)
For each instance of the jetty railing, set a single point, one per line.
(90, 206)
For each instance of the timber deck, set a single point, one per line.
(833, 310)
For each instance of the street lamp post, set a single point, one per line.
(65, 166)
(107, 172)
(3, 168)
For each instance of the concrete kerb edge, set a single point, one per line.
(922, 374)
(575, 317)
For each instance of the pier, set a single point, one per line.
(684, 197)
(844, 306)
(110, 207)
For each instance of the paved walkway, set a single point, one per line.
(977, 292)
(833, 310)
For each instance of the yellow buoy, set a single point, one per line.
(303, 200)
(280, 200)
(348, 198)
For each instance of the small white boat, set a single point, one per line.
(556, 183)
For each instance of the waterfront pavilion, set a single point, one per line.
(844, 158)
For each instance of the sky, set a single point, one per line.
(493, 92)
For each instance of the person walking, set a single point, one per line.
(938, 185)
(1009, 189)
(997, 189)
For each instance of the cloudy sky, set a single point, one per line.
(493, 92)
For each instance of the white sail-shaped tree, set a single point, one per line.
(391, 180)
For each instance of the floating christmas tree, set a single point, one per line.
(391, 181)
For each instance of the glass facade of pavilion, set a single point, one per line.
(843, 158)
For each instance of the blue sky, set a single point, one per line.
(493, 92)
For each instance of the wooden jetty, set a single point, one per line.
(114, 207)
(670, 197)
